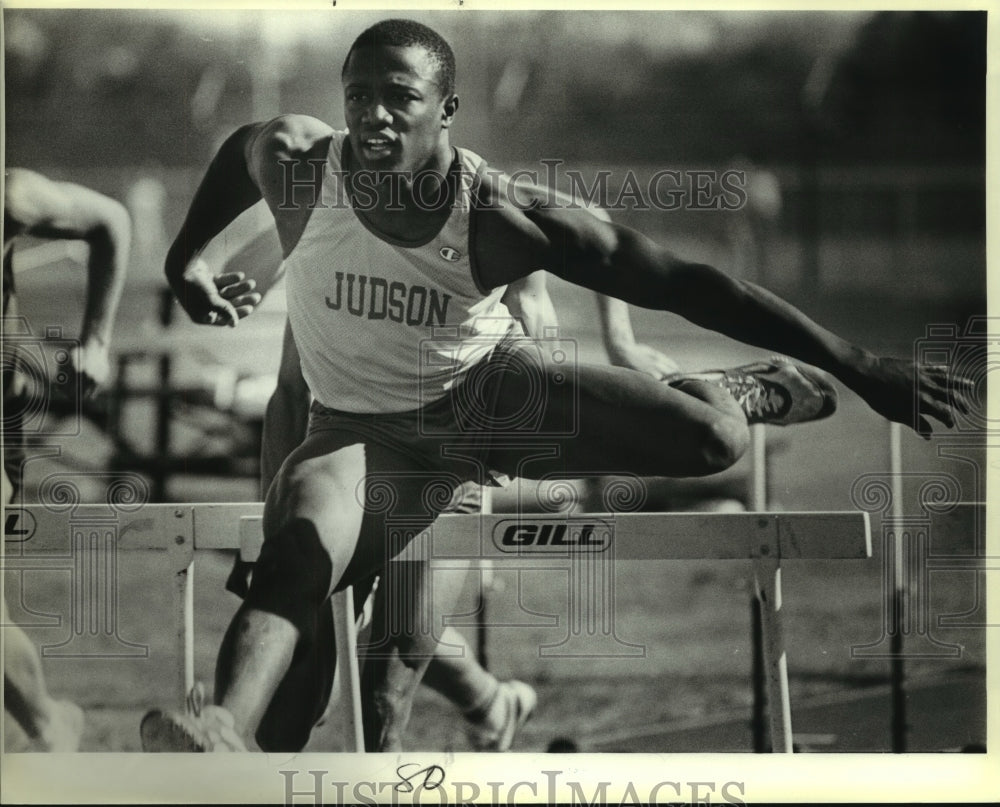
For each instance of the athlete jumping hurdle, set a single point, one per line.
(494, 710)
(398, 248)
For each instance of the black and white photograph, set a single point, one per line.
(460, 404)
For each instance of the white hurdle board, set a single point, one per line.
(180, 529)
(767, 538)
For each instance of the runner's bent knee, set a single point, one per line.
(312, 520)
(724, 440)
(720, 428)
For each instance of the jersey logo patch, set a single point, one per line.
(450, 254)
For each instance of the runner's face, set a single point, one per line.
(393, 107)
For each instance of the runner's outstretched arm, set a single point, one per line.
(529, 301)
(619, 262)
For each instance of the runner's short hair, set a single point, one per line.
(403, 33)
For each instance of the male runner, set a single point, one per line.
(394, 302)
(494, 710)
(37, 206)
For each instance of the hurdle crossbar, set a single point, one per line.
(179, 530)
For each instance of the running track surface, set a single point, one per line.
(945, 714)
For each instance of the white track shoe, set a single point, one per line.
(518, 701)
(64, 730)
(203, 728)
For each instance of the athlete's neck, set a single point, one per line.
(401, 204)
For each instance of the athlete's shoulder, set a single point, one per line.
(16, 198)
(496, 191)
(20, 185)
(522, 226)
(500, 191)
(507, 244)
(288, 137)
(513, 206)
(292, 135)
(49, 208)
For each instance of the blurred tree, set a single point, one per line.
(652, 87)
(81, 92)
(911, 88)
(629, 102)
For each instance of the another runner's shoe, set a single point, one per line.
(201, 729)
(64, 729)
(517, 701)
(778, 391)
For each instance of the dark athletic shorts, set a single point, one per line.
(417, 437)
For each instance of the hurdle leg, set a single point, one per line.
(757, 501)
(184, 606)
(758, 718)
(758, 467)
(349, 677)
(900, 600)
(767, 584)
(485, 582)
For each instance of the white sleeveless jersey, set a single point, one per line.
(383, 325)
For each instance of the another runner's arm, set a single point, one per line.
(620, 344)
(35, 205)
(620, 262)
(616, 329)
(528, 301)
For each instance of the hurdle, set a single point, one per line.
(765, 539)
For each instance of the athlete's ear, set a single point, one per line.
(449, 110)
